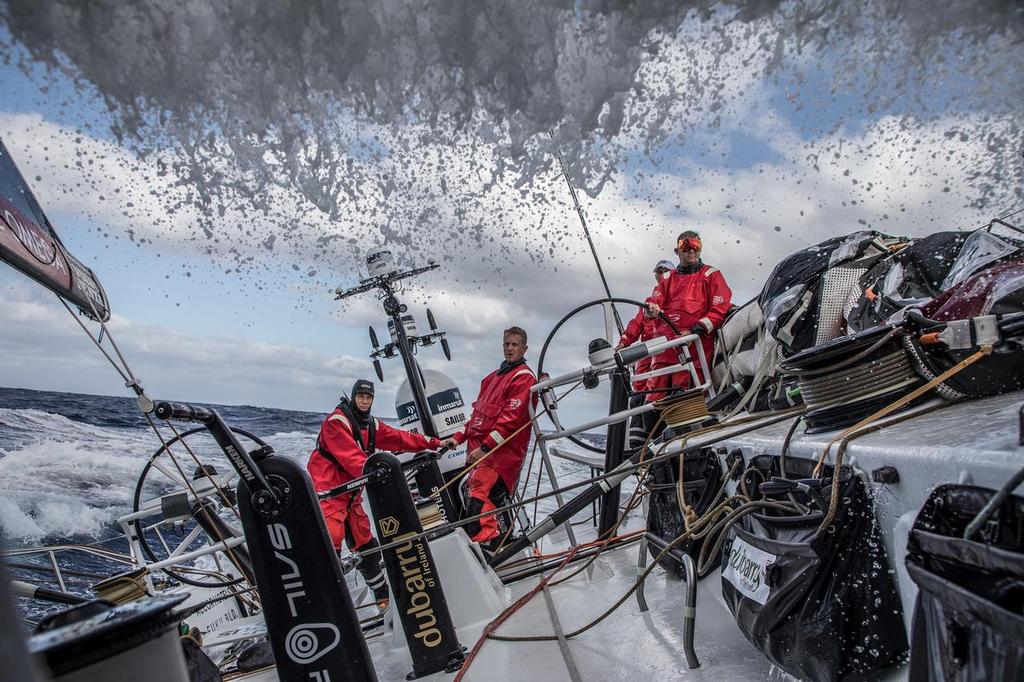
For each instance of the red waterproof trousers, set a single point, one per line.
(500, 418)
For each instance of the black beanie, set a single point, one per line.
(362, 386)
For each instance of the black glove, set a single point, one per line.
(698, 329)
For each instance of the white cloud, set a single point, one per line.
(43, 348)
(523, 260)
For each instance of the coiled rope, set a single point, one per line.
(682, 410)
(870, 379)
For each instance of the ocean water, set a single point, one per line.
(70, 466)
(69, 463)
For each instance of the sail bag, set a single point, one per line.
(969, 614)
(821, 607)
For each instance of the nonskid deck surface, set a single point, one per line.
(624, 646)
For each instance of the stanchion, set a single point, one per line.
(615, 446)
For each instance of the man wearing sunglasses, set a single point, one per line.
(695, 297)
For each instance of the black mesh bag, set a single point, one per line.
(969, 614)
(821, 607)
(909, 276)
(702, 479)
(792, 294)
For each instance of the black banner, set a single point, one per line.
(440, 402)
(29, 244)
(313, 626)
(416, 588)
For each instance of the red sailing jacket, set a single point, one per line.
(501, 409)
(701, 297)
(336, 437)
(640, 328)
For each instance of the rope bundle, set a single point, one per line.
(684, 409)
(847, 379)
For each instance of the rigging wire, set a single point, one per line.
(586, 232)
(144, 402)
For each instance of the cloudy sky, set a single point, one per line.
(220, 272)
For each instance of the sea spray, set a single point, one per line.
(389, 119)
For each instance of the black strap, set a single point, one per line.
(357, 433)
(505, 367)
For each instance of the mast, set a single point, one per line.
(590, 241)
(394, 309)
(384, 276)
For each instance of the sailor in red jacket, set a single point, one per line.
(696, 299)
(347, 437)
(499, 422)
(644, 326)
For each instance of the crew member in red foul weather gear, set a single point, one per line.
(347, 437)
(642, 327)
(696, 299)
(499, 422)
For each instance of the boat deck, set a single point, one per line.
(970, 442)
(625, 645)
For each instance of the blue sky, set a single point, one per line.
(195, 329)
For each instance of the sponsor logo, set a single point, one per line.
(513, 403)
(418, 575)
(407, 414)
(454, 419)
(443, 401)
(747, 569)
(33, 239)
(715, 300)
(388, 526)
(239, 463)
(305, 642)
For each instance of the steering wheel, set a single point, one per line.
(223, 482)
(569, 316)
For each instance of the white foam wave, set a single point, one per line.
(23, 426)
(62, 478)
(295, 445)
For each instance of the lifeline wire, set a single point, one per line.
(487, 454)
(590, 481)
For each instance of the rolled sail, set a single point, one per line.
(29, 243)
